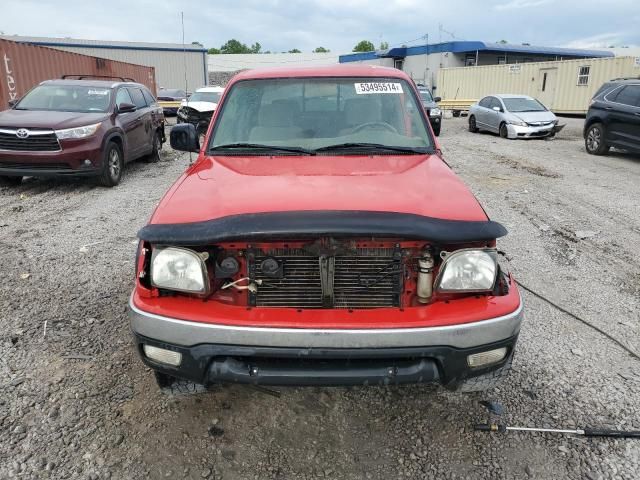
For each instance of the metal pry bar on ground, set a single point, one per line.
(585, 432)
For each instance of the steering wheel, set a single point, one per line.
(384, 125)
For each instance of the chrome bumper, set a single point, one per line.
(185, 333)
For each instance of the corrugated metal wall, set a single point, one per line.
(561, 92)
(169, 65)
(23, 66)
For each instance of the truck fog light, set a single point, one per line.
(162, 355)
(486, 358)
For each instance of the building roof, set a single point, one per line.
(76, 42)
(473, 46)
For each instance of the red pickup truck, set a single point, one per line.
(321, 239)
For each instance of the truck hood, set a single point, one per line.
(216, 187)
(48, 119)
(200, 106)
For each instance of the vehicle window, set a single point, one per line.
(67, 98)
(213, 97)
(148, 96)
(426, 95)
(523, 104)
(138, 98)
(485, 102)
(123, 97)
(317, 112)
(628, 95)
(583, 75)
(495, 103)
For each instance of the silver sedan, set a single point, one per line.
(513, 116)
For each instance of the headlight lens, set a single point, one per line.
(179, 269)
(78, 132)
(519, 123)
(468, 270)
(435, 112)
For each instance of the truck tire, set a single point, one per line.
(154, 156)
(594, 140)
(487, 381)
(176, 386)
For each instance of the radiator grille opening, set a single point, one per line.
(369, 278)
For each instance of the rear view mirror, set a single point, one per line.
(183, 138)
(126, 107)
(437, 99)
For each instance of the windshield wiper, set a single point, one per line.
(260, 146)
(371, 146)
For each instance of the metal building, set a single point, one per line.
(170, 60)
(564, 87)
(422, 62)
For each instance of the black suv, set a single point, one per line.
(430, 105)
(613, 119)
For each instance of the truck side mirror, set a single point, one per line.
(183, 138)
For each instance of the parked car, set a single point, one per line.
(170, 100)
(513, 116)
(613, 119)
(430, 104)
(79, 127)
(320, 239)
(199, 108)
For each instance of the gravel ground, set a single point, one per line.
(77, 403)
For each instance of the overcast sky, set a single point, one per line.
(335, 24)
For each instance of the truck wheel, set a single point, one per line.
(594, 140)
(154, 156)
(10, 181)
(487, 381)
(176, 386)
(112, 165)
(473, 128)
(504, 131)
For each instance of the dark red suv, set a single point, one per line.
(79, 127)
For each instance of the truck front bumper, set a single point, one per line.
(212, 353)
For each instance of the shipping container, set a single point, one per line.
(23, 66)
(564, 86)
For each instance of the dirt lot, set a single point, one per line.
(77, 403)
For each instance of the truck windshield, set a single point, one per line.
(321, 113)
(66, 98)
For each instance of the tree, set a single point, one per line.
(364, 46)
(234, 46)
(321, 50)
(197, 43)
(255, 48)
(294, 50)
(214, 51)
(384, 45)
(504, 42)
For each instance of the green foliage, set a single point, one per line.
(235, 46)
(214, 51)
(294, 50)
(321, 50)
(384, 45)
(364, 46)
(504, 42)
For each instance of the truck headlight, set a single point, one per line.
(78, 132)
(179, 269)
(468, 270)
(435, 112)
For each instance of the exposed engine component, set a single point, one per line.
(425, 278)
(252, 286)
(227, 268)
(272, 268)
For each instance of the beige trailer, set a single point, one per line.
(564, 86)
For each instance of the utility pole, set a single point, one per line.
(426, 61)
